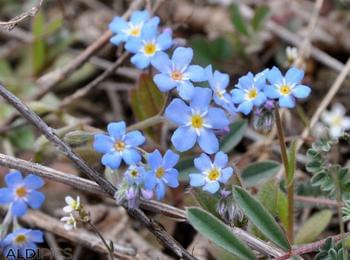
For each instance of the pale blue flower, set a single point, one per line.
(177, 72)
(118, 145)
(196, 122)
(135, 175)
(211, 173)
(286, 88)
(162, 172)
(22, 192)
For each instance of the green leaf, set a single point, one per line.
(146, 100)
(207, 200)
(23, 138)
(259, 172)
(218, 232)
(260, 15)
(313, 227)
(237, 131)
(237, 20)
(39, 44)
(291, 163)
(271, 196)
(260, 217)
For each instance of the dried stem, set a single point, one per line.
(157, 230)
(109, 249)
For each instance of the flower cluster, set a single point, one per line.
(76, 213)
(199, 113)
(19, 194)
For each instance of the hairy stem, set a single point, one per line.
(290, 187)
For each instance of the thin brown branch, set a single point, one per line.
(167, 240)
(19, 18)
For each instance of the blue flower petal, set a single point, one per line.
(196, 73)
(203, 162)
(111, 160)
(37, 236)
(301, 91)
(271, 92)
(154, 21)
(118, 25)
(140, 61)
(33, 182)
(116, 130)
(201, 99)
(245, 107)
(35, 199)
(13, 178)
(178, 112)
(160, 190)
(117, 39)
(19, 208)
(164, 41)
(6, 196)
(170, 159)
(211, 187)
(294, 75)
(246, 81)
(208, 141)
(226, 174)
(103, 143)
(182, 57)
(131, 156)
(134, 45)
(287, 101)
(216, 118)
(274, 76)
(162, 62)
(221, 159)
(138, 17)
(155, 159)
(197, 180)
(172, 178)
(149, 180)
(238, 95)
(184, 138)
(186, 90)
(260, 99)
(134, 138)
(164, 82)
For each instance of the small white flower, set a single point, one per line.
(336, 120)
(70, 222)
(72, 204)
(291, 53)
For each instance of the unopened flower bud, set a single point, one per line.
(229, 210)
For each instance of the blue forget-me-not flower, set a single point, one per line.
(196, 122)
(124, 30)
(162, 172)
(249, 93)
(211, 173)
(135, 174)
(286, 88)
(21, 243)
(177, 72)
(118, 145)
(22, 192)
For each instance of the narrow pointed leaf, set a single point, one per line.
(216, 231)
(237, 131)
(260, 217)
(259, 172)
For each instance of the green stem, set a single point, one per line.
(290, 186)
(154, 120)
(340, 218)
(110, 252)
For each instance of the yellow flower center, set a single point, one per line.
(135, 31)
(285, 90)
(119, 146)
(20, 239)
(160, 172)
(336, 121)
(214, 174)
(21, 192)
(176, 75)
(197, 121)
(134, 173)
(150, 48)
(252, 93)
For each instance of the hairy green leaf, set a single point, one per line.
(259, 172)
